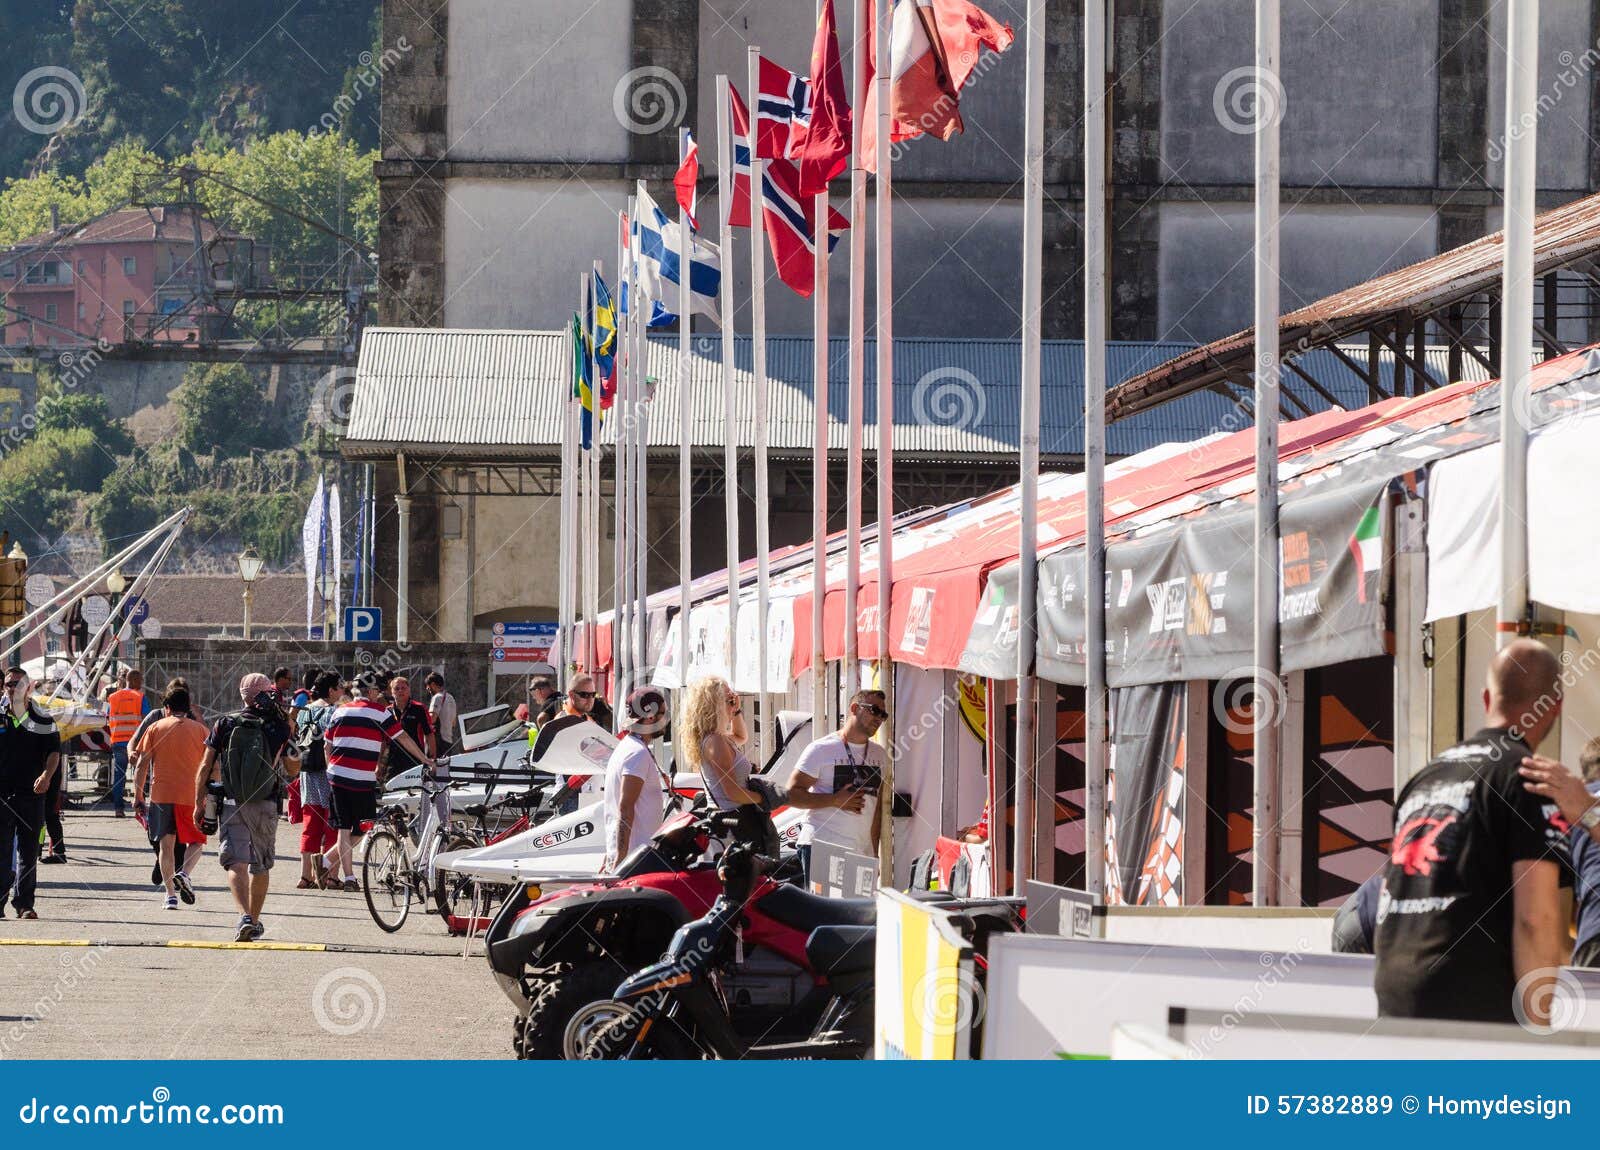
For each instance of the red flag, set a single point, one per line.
(790, 220)
(739, 127)
(822, 144)
(783, 108)
(687, 183)
(934, 49)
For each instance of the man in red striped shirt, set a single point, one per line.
(357, 732)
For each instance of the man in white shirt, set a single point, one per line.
(442, 707)
(835, 783)
(636, 788)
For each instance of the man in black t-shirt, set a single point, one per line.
(416, 722)
(30, 754)
(1470, 904)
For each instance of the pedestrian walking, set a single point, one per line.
(283, 683)
(248, 755)
(127, 706)
(1470, 911)
(168, 753)
(358, 732)
(317, 834)
(443, 710)
(30, 755)
(151, 716)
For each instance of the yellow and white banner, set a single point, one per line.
(928, 997)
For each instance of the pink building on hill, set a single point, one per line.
(127, 276)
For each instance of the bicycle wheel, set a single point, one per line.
(386, 879)
(452, 892)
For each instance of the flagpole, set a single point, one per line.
(858, 355)
(685, 423)
(622, 449)
(641, 494)
(758, 331)
(1096, 285)
(569, 435)
(819, 455)
(885, 335)
(730, 448)
(591, 514)
(1266, 717)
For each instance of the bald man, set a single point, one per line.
(1470, 905)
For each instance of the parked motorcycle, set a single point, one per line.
(689, 1005)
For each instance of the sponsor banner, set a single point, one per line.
(927, 993)
(1179, 602)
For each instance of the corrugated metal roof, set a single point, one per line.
(1560, 236)
(499, 395)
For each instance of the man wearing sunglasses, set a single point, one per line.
(835, 783)
(580, 701)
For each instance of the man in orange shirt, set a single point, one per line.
(171, 749)
(127, 708)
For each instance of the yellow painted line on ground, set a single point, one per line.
(205, 944)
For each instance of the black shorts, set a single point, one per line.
(351, 808)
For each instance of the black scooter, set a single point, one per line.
(676, 1008)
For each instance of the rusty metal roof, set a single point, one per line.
(1561, 235)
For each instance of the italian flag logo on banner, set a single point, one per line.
(1367, 546)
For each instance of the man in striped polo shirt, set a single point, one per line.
(357, 732)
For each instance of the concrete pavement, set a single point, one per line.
(136, 999)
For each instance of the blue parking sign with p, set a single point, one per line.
(363, 624)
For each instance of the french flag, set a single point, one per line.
(790, 219)
(739, 128)
(783, 104)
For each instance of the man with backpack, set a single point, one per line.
(317, 835)
(246, 755)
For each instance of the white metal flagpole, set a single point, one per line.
(758, 330)
(730, 448)
(641, 489)
(819, 457)
(1028, 541)
(1096, 286)
(1266, 717)
(569, 436)
(622, 449)
(685, 424)
(857, 369)
(885, 329)
(1516, 311)
(591, 510)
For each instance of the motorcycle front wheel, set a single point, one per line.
(618, 1039)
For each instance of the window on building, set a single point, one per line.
(127, 307)
(8, 271)
(83, 266)
(22, 311)
(130, 266)
(50, 312)
(44, 272)
(83, 311)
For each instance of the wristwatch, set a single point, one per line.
(1591, 817)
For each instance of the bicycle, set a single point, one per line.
(397, 855)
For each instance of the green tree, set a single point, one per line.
(88, 412)
(220, 409)
(41, 480)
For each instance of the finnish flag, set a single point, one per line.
(656, 265)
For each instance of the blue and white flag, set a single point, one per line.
(655, 246)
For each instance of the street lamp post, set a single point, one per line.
(250, 565)
(116, 584)
(328, 585)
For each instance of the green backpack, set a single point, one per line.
(247, 770)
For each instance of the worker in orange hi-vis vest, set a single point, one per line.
(127, 708)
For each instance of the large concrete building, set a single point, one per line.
(512, 133)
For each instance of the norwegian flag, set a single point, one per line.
(739, 128)
(783, 104)
(687, 183)
(791, 224)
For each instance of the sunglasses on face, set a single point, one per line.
(583, 694)
(13, 684)
(874, 709)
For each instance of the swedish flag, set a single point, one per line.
(582, 388)
(605, 342)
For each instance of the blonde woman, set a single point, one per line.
(713, 742)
